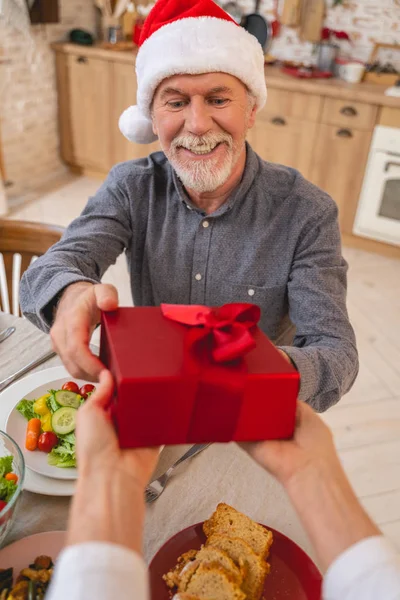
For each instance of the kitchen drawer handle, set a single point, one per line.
(391, 164)
(278, 121)
(345, 133)
(349, 111)
(81, 59)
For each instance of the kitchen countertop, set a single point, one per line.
(334, 88)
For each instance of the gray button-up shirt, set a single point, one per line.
(275, 242)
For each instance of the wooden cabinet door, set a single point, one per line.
(339, 162)
(284, 140)
(124, 88)
(89, 94)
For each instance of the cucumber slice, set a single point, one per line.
(63, 420)
(66, 398)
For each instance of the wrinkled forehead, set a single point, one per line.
(203, 84)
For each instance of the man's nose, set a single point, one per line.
(198, 117)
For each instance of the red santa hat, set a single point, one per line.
(190, 37)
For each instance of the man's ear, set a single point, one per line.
(252, 116)
(153, 124)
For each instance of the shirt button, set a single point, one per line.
(251, 292)
(198, 277)
(205, 224)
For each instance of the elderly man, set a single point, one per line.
(206, 221)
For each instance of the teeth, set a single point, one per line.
(204, 149)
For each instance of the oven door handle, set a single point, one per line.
(391, 164)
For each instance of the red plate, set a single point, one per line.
(293, 574)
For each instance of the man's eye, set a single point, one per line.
(219, 101)
(176, 104)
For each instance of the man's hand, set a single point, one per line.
(108, 504)
(77, 315)
(311, 447)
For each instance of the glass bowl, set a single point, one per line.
(7, 515)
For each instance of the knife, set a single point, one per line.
(32, 365)
(6, 333)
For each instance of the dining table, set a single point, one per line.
(221, 473)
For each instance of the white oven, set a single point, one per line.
(378, 213)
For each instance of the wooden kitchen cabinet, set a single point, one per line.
(89, 103)
(357, 115)
(284, 140)
(306, 107)
(339, 159)
(123, 92)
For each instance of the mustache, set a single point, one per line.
(191, 141)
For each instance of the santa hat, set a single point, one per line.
(190, 37)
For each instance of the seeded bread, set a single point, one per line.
(211, 582)
(228, 521)
(255, 569)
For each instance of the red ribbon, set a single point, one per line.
(227, 330)
(216, 336)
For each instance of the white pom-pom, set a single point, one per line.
(136, 127)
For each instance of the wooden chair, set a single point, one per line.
(21, 242)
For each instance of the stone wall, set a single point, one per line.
(28, 97)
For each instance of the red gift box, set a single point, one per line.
(192, 374)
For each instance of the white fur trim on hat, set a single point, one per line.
(136, 127)
(193, 46)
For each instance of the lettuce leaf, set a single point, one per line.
(25, 407)
(6, 463)
(63, 455)
(7, 489)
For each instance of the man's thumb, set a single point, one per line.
(106, 296)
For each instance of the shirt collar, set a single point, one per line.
(250, 171)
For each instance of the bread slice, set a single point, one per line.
(172, 578)
(244, 557)
(211, 582)
(226, 520)
(213, 555)
(189, 561)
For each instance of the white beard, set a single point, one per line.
(204, 175)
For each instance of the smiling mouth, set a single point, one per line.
(201, 150)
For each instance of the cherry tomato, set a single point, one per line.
(71, 386)
(11, 477)
(2, 504)
(47, 441)
(85, 389)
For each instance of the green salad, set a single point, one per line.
(8, 480)
(52, 421)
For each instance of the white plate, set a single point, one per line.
(16, 428)
(8, 399)
(22, 553)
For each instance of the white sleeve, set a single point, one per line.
(99, 570)
(369, 570)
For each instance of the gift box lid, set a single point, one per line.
(143, 344)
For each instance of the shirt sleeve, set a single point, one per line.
(91, 243)
(369, 570)
(99, 570)
(324, 348)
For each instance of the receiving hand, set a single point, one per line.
(108, 504)
(77, 315)
(311, 445)
(97, 443)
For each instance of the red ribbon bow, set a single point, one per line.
(228, 329)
